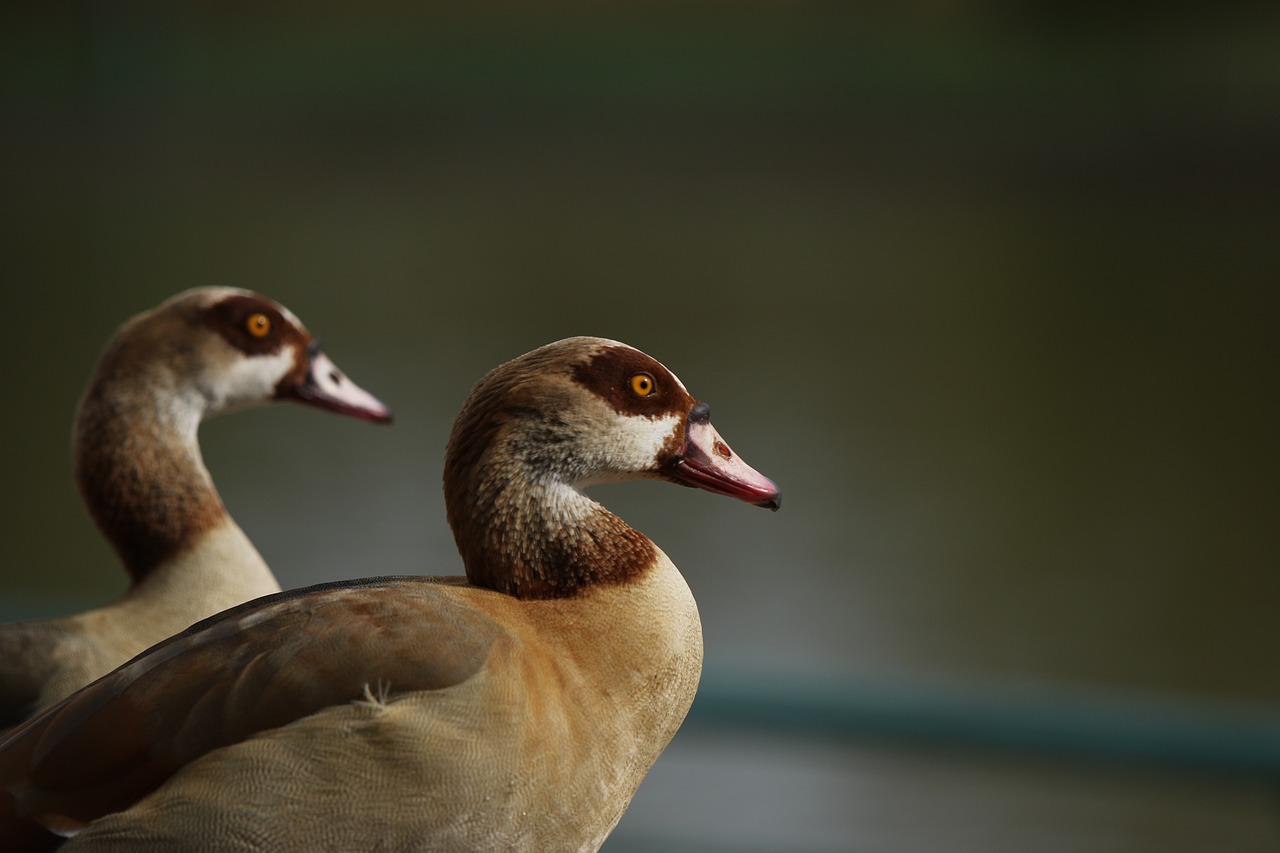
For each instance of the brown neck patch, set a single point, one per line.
(139, 470)
(145, 488)
(525, 556)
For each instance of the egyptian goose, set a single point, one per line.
(516, 709)
(138, 466)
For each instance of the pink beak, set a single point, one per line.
(707, 462)
(327, 387)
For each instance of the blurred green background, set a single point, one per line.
(990, 289)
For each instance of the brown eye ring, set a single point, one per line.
(258, 325)
(643, 385)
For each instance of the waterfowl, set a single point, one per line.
(517, 708)
(139, 470)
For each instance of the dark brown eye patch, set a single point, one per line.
(632, 383)
(250, 324)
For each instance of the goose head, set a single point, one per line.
(219, 349)
(540, 428)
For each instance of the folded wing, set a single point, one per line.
(256, 667)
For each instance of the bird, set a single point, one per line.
(140, 474)
(516, 708)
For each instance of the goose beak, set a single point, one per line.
(707, 462)
(327, 387)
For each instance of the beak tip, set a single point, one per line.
(377, 415)
(773, 503)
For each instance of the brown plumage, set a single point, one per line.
(139, 470)
(517, 711)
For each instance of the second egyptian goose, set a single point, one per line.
(516, 709)
(140, 473)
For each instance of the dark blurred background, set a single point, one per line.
(990, 289)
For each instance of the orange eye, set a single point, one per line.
(642, 385)
(259, 325)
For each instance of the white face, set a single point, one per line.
(631, 417)
(212, 350)
(238, 381)
(624, 446)
(240, 346)
(250, 350)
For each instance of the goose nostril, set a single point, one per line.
(335, 377)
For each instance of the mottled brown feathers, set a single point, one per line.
(513, 448)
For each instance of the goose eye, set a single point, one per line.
(258, 325)
(642, 385)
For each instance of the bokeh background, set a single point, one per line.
(990, 289)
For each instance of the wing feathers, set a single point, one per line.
(254, 668)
